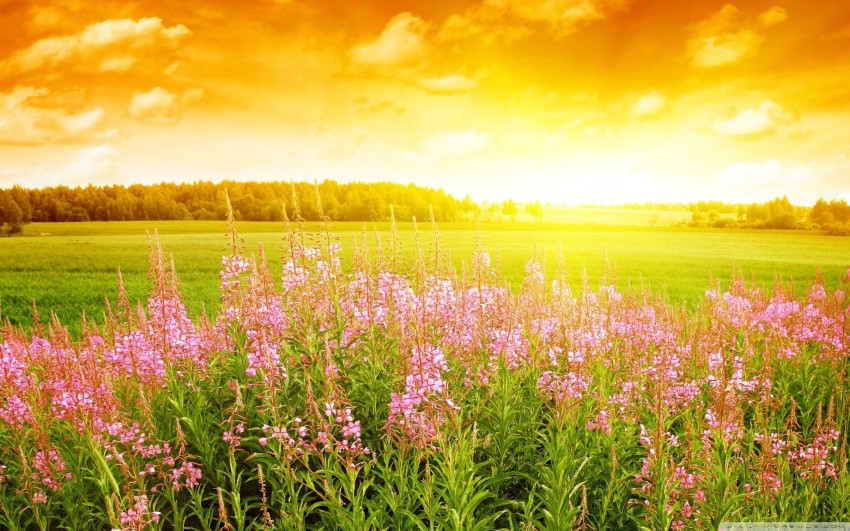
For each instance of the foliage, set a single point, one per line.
(252, 201)
(778, 213)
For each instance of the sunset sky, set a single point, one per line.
(567, 101)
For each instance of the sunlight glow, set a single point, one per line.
(565, 101)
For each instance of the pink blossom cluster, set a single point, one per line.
(564, 389)
(50, 469)
(420, 410)
(138, 516)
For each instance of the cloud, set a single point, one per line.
(562, 16)
(451, 84)
(82, 122)
(447, 143)
(727, 36)
(773, 16)
(752, 174)
(117, 45)
(366, 108)
(509, 20)
(93, 164)
(649, 105)
(802, 180)
(484, 26)
(402, 42)
(720, 50)
(27, 117)
(157, 107)
(46, 16)
(193, 95)
(347, 149)
(755, 122)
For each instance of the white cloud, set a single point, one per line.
(755, 122)
(93, 164)
(82, 122)
(803, 181)
(345, 150)
(649, 105)
(109, 46)
(158, 106)
(27, 118)
(401, 42)
(720, 50)
(727, 36)
(773, 16)
(752, 174)
(448, 143)
(451, 84)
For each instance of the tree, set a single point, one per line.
(536, 210)
(11, 215)
(510, 209)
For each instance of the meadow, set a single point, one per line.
(68, 268)
(339, 386)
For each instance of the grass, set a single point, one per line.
(71, 267)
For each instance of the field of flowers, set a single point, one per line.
(422, 398)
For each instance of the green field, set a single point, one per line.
(69, 267)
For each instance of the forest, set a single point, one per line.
(251, 201)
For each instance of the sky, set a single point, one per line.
(563, 101)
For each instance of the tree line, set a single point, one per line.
(251, 201)
(779, 213)
(357, 201)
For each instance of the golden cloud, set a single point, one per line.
(755, 122)
(764, 173)
(160, 106)
(649, 105)
(109, 46)
(447, 143)
(401, 42)
(157, 106)
(93, 164)
(562, 16)
(510, 20)
(451, 84)
(773, 16)
(26, 120)
(727, 36)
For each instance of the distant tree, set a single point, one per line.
(784, 221)
(11, 214)
(536, 210)
(510, 209)
(469, 208)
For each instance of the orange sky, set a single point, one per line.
(571, 101)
